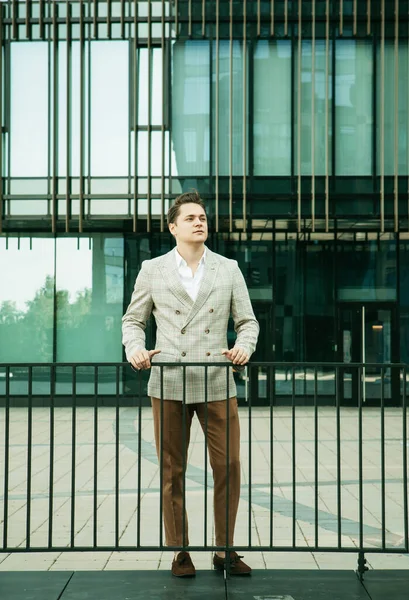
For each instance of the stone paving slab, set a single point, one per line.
(33, 586)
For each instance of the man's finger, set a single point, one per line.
(153, 352)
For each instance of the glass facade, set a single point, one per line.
(290, 118)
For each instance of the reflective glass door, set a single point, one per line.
(367, 335)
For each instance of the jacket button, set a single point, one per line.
(177, 312)
(183, 331)
(183, 353)
(211, 310)
(207, 353)
(207, 330)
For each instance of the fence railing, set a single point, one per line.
(327, 478)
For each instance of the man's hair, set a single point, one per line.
(186, 198)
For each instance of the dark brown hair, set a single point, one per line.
(192, 197)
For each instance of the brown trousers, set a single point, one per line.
(172, 463)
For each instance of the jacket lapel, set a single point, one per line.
(206, 286)
(171, 276)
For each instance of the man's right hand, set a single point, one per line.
(142, 359)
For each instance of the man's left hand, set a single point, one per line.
(237, 356)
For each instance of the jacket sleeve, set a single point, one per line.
(245, 323)
(137, 314)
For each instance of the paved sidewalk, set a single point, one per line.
(281, 525)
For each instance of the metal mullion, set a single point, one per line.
(14, 20)
(88, 108)
(82, 124)
(95, 470)
(341, 17)
(73, 452)
(299, 118)
(355, 9)
(313, 119)
(396, 121)
(135, 117)
(123, 19)
(316, 456)
(117, 473)
(382, 101)
(271, 17)
(54, 189)
(258, 18)
(285, 17)
(368, 17)
(162, 187)
(231, 116)
(68, 140)
(244, 115)
(327, 115)
(51, 469)
(95, 19)
(216, 121)
(109, 22)
(383, 486)
(28, 15)
(1, 119)
(41, 18)
(176, 17)
(189, 10)
(29, 453)
(203, 18)
(150, 54)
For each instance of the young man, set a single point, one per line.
(191, 292)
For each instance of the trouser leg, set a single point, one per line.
(217, 447)
(172, 464)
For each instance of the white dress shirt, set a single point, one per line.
(190, 282)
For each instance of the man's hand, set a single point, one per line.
(142, 359)
(237, 356)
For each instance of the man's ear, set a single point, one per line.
(172, 228)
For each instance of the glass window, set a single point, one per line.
(353, 107)
(321, 90)
(29, 113)
(272, 108)
(26, 299)
(89, 277)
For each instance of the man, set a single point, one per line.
(191, 292)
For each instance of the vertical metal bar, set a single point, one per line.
(258, 18)
(95, 20)
(228, 463)
(116, 456)
(216, 122)
(293, 456)
(135, 117)
(82, 117)
(51, 470)
(382, 101)
(271, 372)
(405, 462)
(184, 451)
(41, 18)
(360, 462)
(244, 115)
(368, 17)
(327, 115)
(206, 374)
(95, 491)
(176, 17)
(231, 117)
(162, 399)
(272, 17)
(299, 117)
(190, 18)
(162, 187)
(203, 18)
(14, 19)
(355, 16)
(54, 190)
(313, 119)
(341, 17)
(149, 130)
(28, 15)
(122, 19)
(396, 122)
(383, 487)
(6, 460)
(316, 474)
(109, 27)
(73, 451)
(363, 356)
(138, 513)
(29, 453)
(338, 417)
(2, 55)
(250, 373)
(285, 17)
(68, 141)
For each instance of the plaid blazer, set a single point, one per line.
(189, 331)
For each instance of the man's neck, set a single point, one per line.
(191, 253)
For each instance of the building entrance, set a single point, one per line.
(368, 334)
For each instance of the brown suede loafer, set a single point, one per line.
(237, 566)
(182, 566)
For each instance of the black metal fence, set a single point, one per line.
(324, 469)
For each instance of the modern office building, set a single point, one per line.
(290, 117)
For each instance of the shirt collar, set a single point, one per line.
(180, 261)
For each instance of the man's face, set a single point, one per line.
(191, 224)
